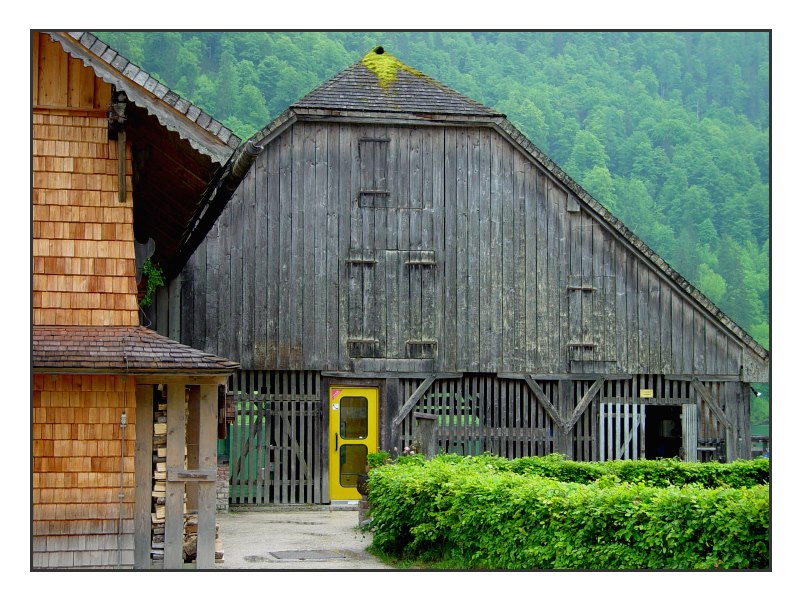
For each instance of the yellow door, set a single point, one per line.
(353, 435)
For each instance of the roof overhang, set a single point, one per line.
(199, 129)
(119, 351)
(181, 156)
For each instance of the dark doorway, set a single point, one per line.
(662, 432)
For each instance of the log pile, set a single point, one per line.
(190, 541)
(159, 480)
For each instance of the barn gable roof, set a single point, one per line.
(381, 88)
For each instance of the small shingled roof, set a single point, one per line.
(379, 82)
(118, 349)
(204, 133)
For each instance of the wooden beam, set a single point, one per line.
(412, 401)
(714, 378)
(712, 403)
(380, 375)
(544, 401)
(122, 188)
(207, 490)
(176, 444)
(566, 376)
(189, 378)
(587, 398)
(143, 464)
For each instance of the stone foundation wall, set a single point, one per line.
(223, 484)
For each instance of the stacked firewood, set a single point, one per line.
(158, 513)
(190, 541)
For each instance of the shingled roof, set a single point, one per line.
(204, 133)
(379, 82)
(118, 349)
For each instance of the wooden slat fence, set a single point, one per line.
(480, 413)
(275, 443)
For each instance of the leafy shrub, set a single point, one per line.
(488, 512)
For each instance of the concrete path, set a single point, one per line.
(290, 538)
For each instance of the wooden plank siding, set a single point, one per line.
(506, 243)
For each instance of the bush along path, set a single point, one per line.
(548, 513)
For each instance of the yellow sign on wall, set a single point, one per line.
(645, 393)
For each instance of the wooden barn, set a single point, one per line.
(399, 253)
(124, 420)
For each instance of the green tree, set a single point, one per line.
(587, 153)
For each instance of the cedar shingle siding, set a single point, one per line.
(91, 359)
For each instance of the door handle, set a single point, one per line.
(336, 437)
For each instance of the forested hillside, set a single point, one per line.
(670, 131)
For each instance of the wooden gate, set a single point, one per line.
(621, 430)
(274, 448)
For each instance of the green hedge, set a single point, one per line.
(659, 473)
(481, 513)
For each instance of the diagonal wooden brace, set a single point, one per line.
(587, 398)
(412, 401)
(545, 402)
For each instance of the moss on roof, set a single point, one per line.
(385, 66)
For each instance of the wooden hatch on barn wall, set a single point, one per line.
(390, 286)
(591, 293)
(390, 295)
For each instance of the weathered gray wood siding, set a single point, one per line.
(431, 249)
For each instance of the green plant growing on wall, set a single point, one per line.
(154, 278)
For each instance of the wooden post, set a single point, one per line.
(391, 433)
(207, 461)
(176, 447)
(143, 461)
(564, 443)
(192, 445)
(425, 433)
(745, 449)
(689, 431)
(121, 166)
(175, 309)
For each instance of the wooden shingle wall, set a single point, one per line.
(83, 258)
(76, 470)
